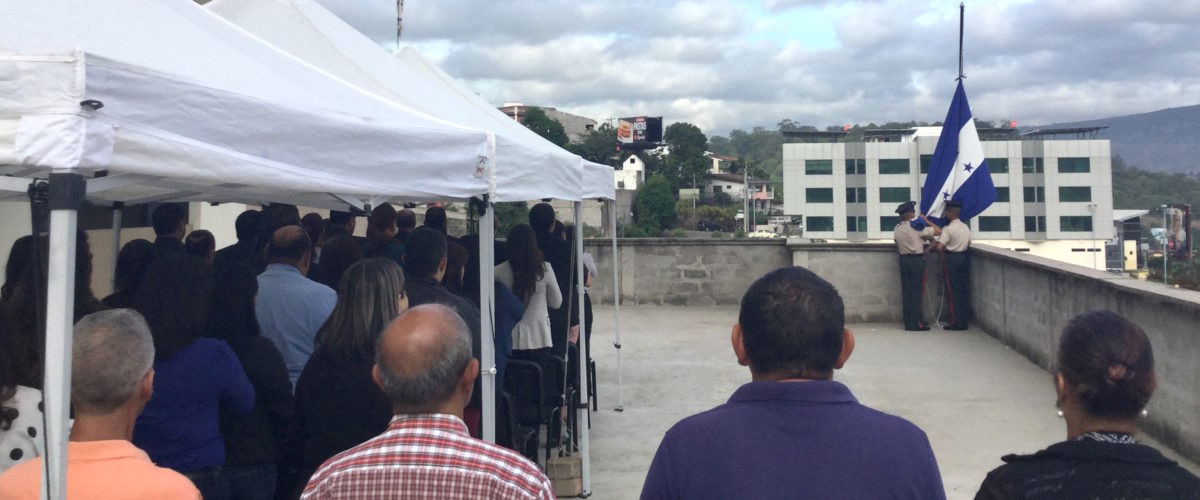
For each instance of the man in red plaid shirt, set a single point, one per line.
(424, 365)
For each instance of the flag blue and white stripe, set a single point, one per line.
(959, 170)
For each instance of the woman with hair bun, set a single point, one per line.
(1104, 380)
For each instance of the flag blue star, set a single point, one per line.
(969, 167)
(946, 195)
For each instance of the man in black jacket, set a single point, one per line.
(170, 224)
(242, 252)
(424, 266)
(557, 253)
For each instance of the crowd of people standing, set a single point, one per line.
(265, 352)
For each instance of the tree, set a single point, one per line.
(654, 209)
(686, 163)
(537, 121)
(598, 145)
(509, 215)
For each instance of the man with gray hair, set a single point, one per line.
(425, 367)
(112, 377)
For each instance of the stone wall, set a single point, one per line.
(1026, 301)
(866, 275)
(684, 272)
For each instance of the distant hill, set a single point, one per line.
(1160, 141)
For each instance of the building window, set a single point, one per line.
(997, 165)
(888, 222)
(1002, 195)
(995, 224)
(1075, 223)
(1076, 194)
(1035, 224)
(716, 189)
(894, 195)
(856, 195)
(819, 195)
(856, 224)
(1074, 165)
(818, 167)
(856, 166)
(1032, 165)
(926, 160)
(893, 166)
(1035, 194)
(819, 224)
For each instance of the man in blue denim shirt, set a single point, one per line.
(793, 432)
(291, 307)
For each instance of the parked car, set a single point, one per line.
(763, 234)
(708, 226)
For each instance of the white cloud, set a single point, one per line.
(727, 64)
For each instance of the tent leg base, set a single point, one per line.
(619, 408)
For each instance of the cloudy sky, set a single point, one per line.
(725, 64)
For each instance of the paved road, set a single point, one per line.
(976, 399)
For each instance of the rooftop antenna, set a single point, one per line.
(400, 25)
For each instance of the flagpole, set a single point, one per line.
(961, 13)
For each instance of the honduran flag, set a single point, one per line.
(958, 170)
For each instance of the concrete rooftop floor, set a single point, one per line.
(975, 398)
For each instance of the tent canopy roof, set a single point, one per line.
(527, 166)
(198, 107)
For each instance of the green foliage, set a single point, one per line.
(1137, 189)
(592, 232)
(508, 215)
(678, 233)
(654, 208)
(632, 231)
(599, 145)
(719, 235)
(741, 233)
(686, 163)
(1184, 274)
(722, 216)
(537, 121)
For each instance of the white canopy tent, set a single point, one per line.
(169, 102)
(526, 165)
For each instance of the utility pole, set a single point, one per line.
(1166, 242)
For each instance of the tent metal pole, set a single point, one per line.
(616, 284)
(584, 400)
(487, 292)
(67, 192)
(118, 209)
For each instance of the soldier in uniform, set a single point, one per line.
(953, 245)
(910, 242)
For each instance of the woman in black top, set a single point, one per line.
(255, 442)
(135, 257)
(338, 405)
(1105, 378)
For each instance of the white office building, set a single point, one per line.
(1055, 195)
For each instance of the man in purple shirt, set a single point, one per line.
(793, 432)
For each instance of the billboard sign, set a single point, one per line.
(639, 131)
(1179, 232)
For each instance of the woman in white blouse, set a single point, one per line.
(533, 281)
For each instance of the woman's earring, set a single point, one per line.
(1060, 414)
(1145, 413)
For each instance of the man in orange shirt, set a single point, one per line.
(111, 380)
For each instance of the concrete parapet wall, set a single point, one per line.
(684, 272)
(866, 275)
(718, 272)
(1025, 301)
